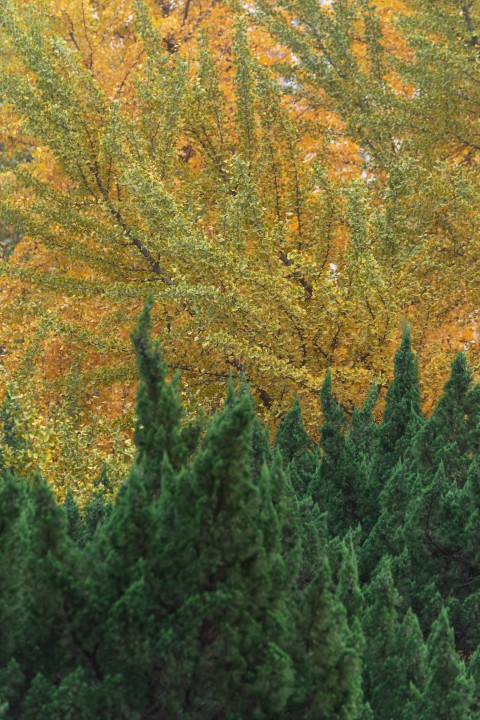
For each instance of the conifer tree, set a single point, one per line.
(222, 571)
(100, 507)
(402, 410)
(76, 528)
(385, 672)
(448, 693)
(393, 505)
(158, 430)
(380, 623)
(348, 588)
(297, 450)
(412, 658)
(473, 673)
(328, 656)
(451, 435)
(14, 556)
(338, 482)
(363, 428)
(434, 534)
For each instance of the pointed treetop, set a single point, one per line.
(333, 413)
(159, 409)
(448, 694)
(230, 396)
(450, 434)
(291, 437)
(402, 409)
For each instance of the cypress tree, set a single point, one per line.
(387, 536)
(348, 588)
(159, 410)
(327, 656)
(434, 533)
(43, 641)
(448, 693)
(412, 658)
(363, 428)
(473, 674)
(14, 556)
(339, 490)
(100, 506)
(381, 628)
(451, 434)
(402, 414)
(76, 528)
(394, 654)
(223, 573)
(297, 450)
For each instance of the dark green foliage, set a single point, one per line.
(451, 435)
(363, 429)
(297, 450)
(402, 411)
(329, 655)
(448, 693)
(381, 628)
(339, 478)
(158, 428)
(222, 581)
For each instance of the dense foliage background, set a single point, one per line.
(236, 579)
(288, 178)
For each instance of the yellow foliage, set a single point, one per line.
(184, 150)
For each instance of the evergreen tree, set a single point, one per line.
(223, 573)
(297, 450)
(214, 588)
(381, 628)
(76, 528)
(159, 411)
(387, 535)
(451, 434)
(363, 428)
(448, 693)
(473, 674)
(348, 588)
(402, 412)
(412, 655)
(100, 506)
(434, 533)
(338, 486)
(327, 654)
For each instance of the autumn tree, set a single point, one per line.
(192, 180)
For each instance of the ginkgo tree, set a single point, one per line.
(206, 199)
(403, 78)
(169, 159)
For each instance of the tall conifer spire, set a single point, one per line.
(402, 408)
